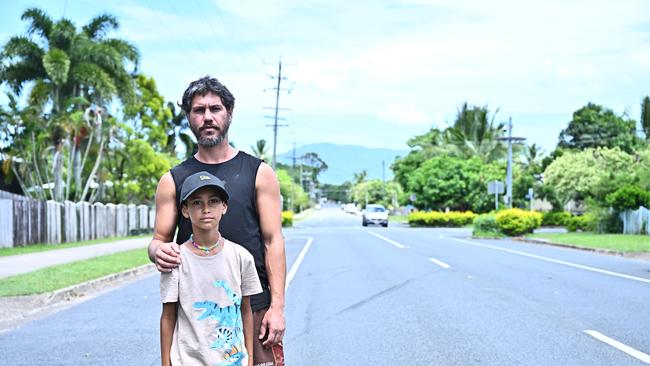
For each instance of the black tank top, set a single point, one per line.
(241, 223)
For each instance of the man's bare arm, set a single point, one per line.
(270, 213)
(162, 251)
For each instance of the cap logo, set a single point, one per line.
(203, 177)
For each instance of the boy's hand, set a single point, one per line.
(168, 256)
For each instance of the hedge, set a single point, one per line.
(583, 223)
(515, 221)
(441, 219)
(287, 218)
(555, 218)
(486, 223)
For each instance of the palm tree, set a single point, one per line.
(260, 150)
(179, 130)
(475, 134)
(69, 70)
(645, 117)
(532, 158)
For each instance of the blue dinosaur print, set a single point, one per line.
(229, 329)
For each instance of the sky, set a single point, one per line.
(377, 73)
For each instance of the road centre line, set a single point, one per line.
(440, 263)
(547, 259)
(388, 240)
(620, 346)
(296, 264)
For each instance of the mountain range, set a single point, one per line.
(344, 161)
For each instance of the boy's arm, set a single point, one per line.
(167, 325)
(247, 320)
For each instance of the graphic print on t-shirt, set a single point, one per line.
(228, 332)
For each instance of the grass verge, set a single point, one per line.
(64, 275)
(617, 242)
(487, 235)
(398, 218)
(44, 247)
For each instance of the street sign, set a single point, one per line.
(496, 187)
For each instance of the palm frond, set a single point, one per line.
(100, 25)
(40, 22)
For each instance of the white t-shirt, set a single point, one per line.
(209, 292)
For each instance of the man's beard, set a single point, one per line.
(213, 140)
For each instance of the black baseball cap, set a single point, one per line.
(200, 180)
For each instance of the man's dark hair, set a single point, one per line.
(202, 87)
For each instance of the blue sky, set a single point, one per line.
(376, 73)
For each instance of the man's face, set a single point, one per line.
(209, 120)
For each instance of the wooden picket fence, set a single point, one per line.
(24, 221)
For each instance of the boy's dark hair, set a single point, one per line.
(202, 87)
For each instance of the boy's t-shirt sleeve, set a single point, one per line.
(169, 286)
(250, 282)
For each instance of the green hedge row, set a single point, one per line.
(511, 222)
(287, 218)
(441, 219)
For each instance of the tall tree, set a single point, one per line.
(595, 126)
(474, 133)
(72, 73)
(645, 117)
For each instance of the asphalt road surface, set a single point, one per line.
(394, 296)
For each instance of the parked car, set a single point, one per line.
(375, 214)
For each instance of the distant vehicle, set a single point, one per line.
(375, 214)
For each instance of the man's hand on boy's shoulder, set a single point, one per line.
(167, 256)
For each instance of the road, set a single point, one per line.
(394, 296)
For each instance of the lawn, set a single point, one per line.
(399, 218)
(616, 242)
(44, 247)
(64, 275)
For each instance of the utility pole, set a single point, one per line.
(510, 139)
(279, 78)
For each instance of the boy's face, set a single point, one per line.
(204, 208)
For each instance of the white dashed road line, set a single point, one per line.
(296, 264)
(620, 346)
(440, 263)
(388, 240)
(574, 265)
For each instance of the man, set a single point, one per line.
(254, 213)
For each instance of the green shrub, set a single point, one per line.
(287, 218)
(629, 197)
(441, 219)
(555, 218)
(514, 221)
(486, 223)
(583, 223)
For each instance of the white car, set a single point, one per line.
(375, 214)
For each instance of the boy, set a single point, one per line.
(206, 317)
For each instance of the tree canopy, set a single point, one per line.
(595, 126)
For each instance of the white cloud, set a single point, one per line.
(404, 113)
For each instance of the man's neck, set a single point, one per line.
(216, 154)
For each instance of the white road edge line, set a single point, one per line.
(388, 240)
(440, 263)
(296, 264)
(620, 346)
(575, 265)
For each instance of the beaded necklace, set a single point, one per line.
(206, 249)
